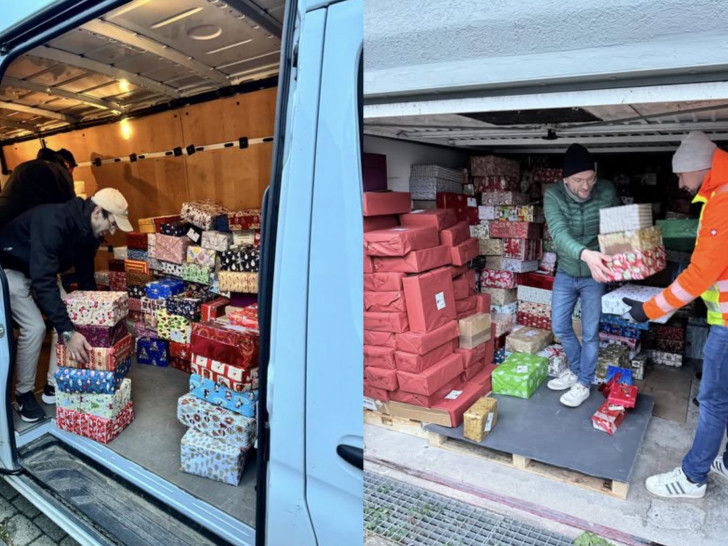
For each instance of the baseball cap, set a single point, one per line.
(111, 200)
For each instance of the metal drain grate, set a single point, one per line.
(412, 516)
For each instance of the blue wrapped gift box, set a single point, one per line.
(164, 288)
(137, 254)
(152, 351)
(79, 380)
(243, 403)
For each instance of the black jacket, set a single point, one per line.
(34, 183)
(47, 240)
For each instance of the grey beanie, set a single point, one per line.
(694, 154)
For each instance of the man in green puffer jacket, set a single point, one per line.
(572, 209)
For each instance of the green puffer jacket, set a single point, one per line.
(575, 226)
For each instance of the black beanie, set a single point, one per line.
(577, 159)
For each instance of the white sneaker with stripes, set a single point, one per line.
(674, 484)
(718, 467)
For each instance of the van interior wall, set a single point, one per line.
(153, 187)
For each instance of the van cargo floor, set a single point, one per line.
(121, 510)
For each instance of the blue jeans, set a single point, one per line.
(582, 356)
(713, 417)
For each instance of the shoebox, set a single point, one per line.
(417, 363)
(430, 300)
(494, 165)
(381, 378)
(465, 206)
(231, 377)
(476, 354)
(237, 281)
(519, 266)
(535, 295)
(386, 203)
(520, 375)
(636, 265)
(610, 354)
(215, 421)
(383, 282)
(494, 198)
(376, 356)
(103, 336)
(422, 343)
(503, 324)
(372, 394)
(213, 309)
(384, 302)
(91, 426)
(522, 249)
(520, 213)
(500, 296)
(474, 330)
(495, 183)
(416, 261)
(534, 309)
(456, 403)
(529, 340)
(607, 419)
(455, 235)
(439, 218)
(534, 321)
(239, 402)
(164, 288)
(214, 241)
(487, 212)
(107, 406)
(152, 351)
(425, 400)
(490, 247)
(473, 371)
(78, 380)
(493, 278)
(515, 230)
(639, 364)
(205, 456)
(386, 322)
(612, 303)
(100, 358)
(630, 241)
(480, 418)
(383, 339)
(171, 249)
(202, 214)
(226, 343)
(674, 360)
(373, 223)
(97, 308)
(176, 229)
(464, 285)
(625, 218)
(465, 251)
(244, 220)
(173, 327)
(433, 378)
(400, 240)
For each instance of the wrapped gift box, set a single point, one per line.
(116, 265)
(386, 322)
(138, 279)
(97, 308)
(152, 351)
(120, 253)
(487, 212)
(520, 213)
(439, 218)
(238, 281)
(508, 309)
(494, 198)
(380, 378)
(625, 218)
(205, 456)
(245, 219)
(639, 364)
(557, 359)
(549, 245)
(455, 235)
(202, 213)
(464, 252)
(241, 259)
(135, 292)
(102, 336)
(101, 278)
(171, 249)
(503, 324)
(150, 305)
(630, 241)
(384, 203)
(107, 406)
(142, 330)
(480, 231)
(244, 238)
(231, 377)
(495, 183)
(622, 395)
(396, 241)
(427, 189)
(203, 257)
(136, 240)
(535, 309)
(422, 343)
(480, 418)
(415, 363)
(636, 265)
(520, 375)
(216, 241)
(631, 343)
(243, 403)
(547, 174)
(622, 327)
(612, 302)
(382, 339)
(464, 285)
(490, 247)
(384, 302)
(674, 360)
(611, 354)
(433, 378)
(670, 345)
(500, 355)
(194, 234)
(494, 262)
(175, 229)
(415, 261)
(92, 426)
(137, 255)
(493, 278)
(135, 305)
(379, 357)
(526, 319)
(173, 327)
(171, 269)
(226, 343)
(77, 380)
(493, 165)
(529, 340)
(608, 419)
(519, 266)
(371, 223)
(673, 331)
(244, 316)
(522, 249)
(515, 230)
(117, 281)
(164, 288)
(465, 207)
(535, 295)
(500, 296)
(196, 273)
(212, 309)
(215, 421)
(136, 266)
(100, 358)
(180, 364)
(548, 263)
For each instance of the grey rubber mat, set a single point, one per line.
(545, 430)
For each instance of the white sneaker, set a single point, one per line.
(674, 484)
(565, 381)
(575, 396)
(718, 467)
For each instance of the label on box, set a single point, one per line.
(440, 300)
(452, 395)
(472, 202)
(488, 423)
(521, 369)
(370, 404)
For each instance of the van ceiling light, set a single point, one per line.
(204, 32)
(550, 135)
(176, 18)
(124, 85)
(223, 48)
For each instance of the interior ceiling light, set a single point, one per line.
(176, 18)
(204, 32)
(124, 85)
(219, 49)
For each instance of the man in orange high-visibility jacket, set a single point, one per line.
(703, 172)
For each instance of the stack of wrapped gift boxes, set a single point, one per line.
(427, 333)
(221, 407)
(93, 399)
(426, 181)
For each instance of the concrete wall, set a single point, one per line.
(402, 155)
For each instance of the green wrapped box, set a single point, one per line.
(520, 375)
(107, 406)
(679, 234)
(196, 273)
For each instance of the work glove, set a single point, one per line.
(637, 310)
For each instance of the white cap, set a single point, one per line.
(694, 154)
(114, 203)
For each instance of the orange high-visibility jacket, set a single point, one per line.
(707, 274)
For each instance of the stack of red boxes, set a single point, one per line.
(416, 287)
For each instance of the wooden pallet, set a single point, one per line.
(571, 477)
(397, 424)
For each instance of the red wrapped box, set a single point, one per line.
(430, 300)
(607, 419)
(471, 356)
(377, 394)
(474, 370)
(383, 282)
(384, 302)
(455, 235)
(522, 249)
(180, 364)
(159, 221)
(423, 400)
(671, 331)
(416, 261)
(527, 319)
(514, 230)
(497, 183)
(433, 378)
(243, 316)
(100, 358)
(383, 339)
(440, 218)
(461, 287)
(465, 207)
(94, 427)
(380, 222)
(457, 403)
(483, 302)
(244, 220)
(117, 281)
(213, 309)
(622, 395)
(537, 280)
(457, 270)
(636, 265)
(467, 307)
(226, 343)
(386, 322)
(386, 202)
(180, 350)
(398, 241)
(415, 342)
(231, 377)
(368, 264)
(379, 357)
(487, 165)
(497, 278)
(465, 251)
(380, 378)
(116, 265)
(136, 240)
(414, 363)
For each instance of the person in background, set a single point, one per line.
(34, 248)
(702, 171)
(44, 180)
(572, 209)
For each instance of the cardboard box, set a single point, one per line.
(416, 363)
(430, 300)
(384, 302)
(383, 339)
(465, 251)
(422, 343)
(480, 418)
(455, 235)
(440, 218)
(416, 261)
(384, 203)
(475, 325)
(400, 240)
(499, 296)
(373, 223)
(383, 282)
(529, 340)
(376, 356)
(433, 378)
(386, 322)
(380, 378)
